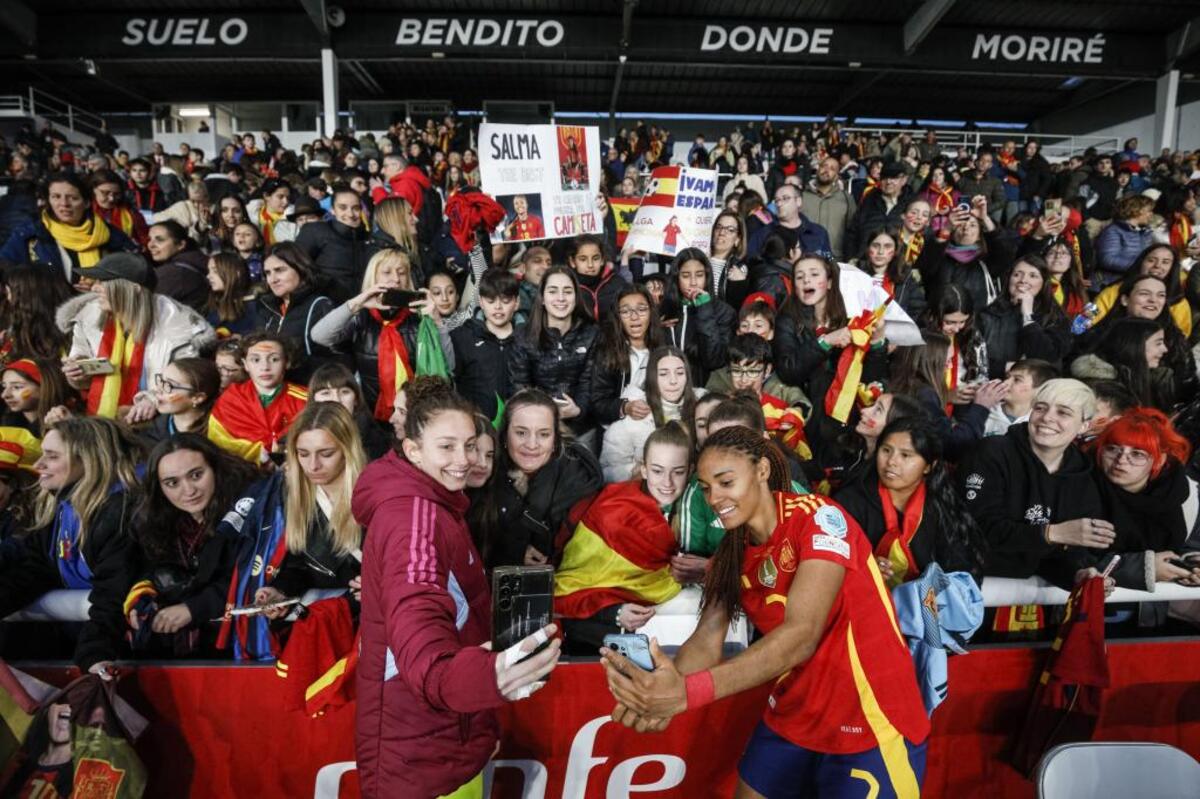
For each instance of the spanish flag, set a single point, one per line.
(662, 188)
(786, 424)
(620, 552)
(624, 210)
(843, 391)
(321, 657)
(240, 425)
(109, 392)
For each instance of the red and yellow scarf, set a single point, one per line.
(943, 199)
(897, 541)
(109, 392)
(872, 185)
(843, 391)
(119, 217)
(913, 247)
(786, 423)
(266, 223)
(1181, 234)
(952, 374)
(395, 365)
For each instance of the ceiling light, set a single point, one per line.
(195, 111)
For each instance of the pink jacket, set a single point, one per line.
(426, 690)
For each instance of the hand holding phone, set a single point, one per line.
(634, 646)
(93, 367)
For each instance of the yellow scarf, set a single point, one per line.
(85, 240)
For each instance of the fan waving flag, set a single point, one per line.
(620, 552)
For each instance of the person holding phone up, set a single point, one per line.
(382, 337)
(428, 682)
(845, 710)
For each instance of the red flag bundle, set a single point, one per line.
(320, 658)
(1067, 702)
(786, 423)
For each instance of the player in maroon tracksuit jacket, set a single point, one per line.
(427, 687)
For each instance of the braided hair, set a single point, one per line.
(723, 582)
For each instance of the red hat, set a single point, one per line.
(760, 296)
(19, 449)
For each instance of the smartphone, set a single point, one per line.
(634, 646)
(95, 366)
(1053, 207)
(522, 604)
(400, 298)
(964, 207)
(1189, 561)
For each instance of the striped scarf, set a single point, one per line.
(913, 247)
(897, 541)
(395, 363)
(266, 223)
(109, 392)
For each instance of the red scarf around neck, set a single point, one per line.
(395, 365)
(896, 542)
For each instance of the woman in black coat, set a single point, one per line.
(555, 351)
(1025, 322)
(697, 322)
(293, 305)
(976, 256)
(183, 565)
(538, 479)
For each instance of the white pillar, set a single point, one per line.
(1166, 110)
(329, 91)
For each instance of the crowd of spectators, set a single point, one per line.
(201, 352)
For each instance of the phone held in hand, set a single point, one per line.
(399, 298)
(522, 604)
(1052, 207)
(634, 646)
(93, 367)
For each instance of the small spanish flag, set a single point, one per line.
(624, 211)
(620, 552)
(843, 391)
(786, 424)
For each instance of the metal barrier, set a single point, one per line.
(54, 110)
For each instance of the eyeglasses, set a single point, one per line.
(748, 371)
(1136, 457)
(730, 229)
(637, 310)
(163, 384)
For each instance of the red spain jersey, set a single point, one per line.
(859, 689)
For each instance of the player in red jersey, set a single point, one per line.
(845, 717)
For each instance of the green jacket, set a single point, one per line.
(700, 531)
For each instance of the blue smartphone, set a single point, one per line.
(634, 646)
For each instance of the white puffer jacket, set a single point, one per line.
(178, 332)
(624, 440)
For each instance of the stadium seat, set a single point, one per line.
(1144, 770)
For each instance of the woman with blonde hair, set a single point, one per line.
(394, 225)
(383, 338)
(85, 502)
(137, 331)
(321, 541)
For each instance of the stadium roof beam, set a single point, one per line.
(1183, 43)
(626, 34)
(857, 87)
(316, 12)
(21, 21)
(922, 23)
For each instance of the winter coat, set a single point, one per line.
(426, 688)
(562, 367)
(479, 362)
(703, 333)
(31, 242)
(598, 295)
(860, 498)
(611, 388)
(1100, 194)
(979, 277)
(749, 182)
(1039, 178)
(1165, 515)
(318, 566)
(30, 568)
(834, 212)
(535, 517)
(185, 279)
(1163, 388)
(340, 254)
(410, 184)
(307, 307)
(1117, 249)
(178, 332)
(361, 332)
(809, 236)
(1012, 497)
(1009, 339)
(188, 216)
(873, 214)
(958, 433)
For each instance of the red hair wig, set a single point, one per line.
(1149, 430)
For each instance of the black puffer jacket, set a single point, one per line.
(319, 566)
(340, 253)
(29, 570)
(360, 337)
(203, 580)
(306, 308)
(1009, 339)
(563, 366)
(481, 365)
(703, 333)
(534, 519)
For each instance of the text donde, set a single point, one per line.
(766, 39)
(444, 32)
(185, 31)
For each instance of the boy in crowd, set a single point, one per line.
(534, 263)
(1113, 400)
(757, 316)
(1024, 378)
(750, 368)
(476, 351)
